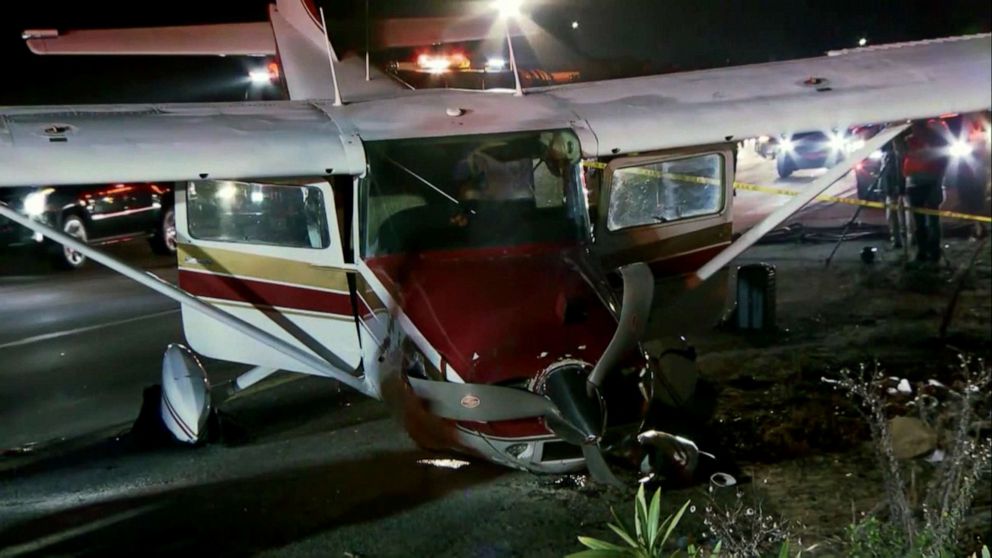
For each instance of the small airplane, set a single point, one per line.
(485, 261)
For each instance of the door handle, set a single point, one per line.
(198, 261)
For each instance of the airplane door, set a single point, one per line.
(672, 210)
(271, 254)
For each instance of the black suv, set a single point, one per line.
(97, 214)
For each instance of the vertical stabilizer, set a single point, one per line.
(300, 42)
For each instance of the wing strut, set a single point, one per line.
(812, 190)
(335, 368)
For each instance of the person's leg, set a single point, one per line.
(934, 236)
(917, 195)
(892, 211)
(904, 232)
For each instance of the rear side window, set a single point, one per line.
(666, 191)
(254, 213)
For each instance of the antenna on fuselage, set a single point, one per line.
(368, 41)
(513, 63)
(330, 59)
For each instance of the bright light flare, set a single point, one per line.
(508, 9)
(960, 149)
(227, 192)
(441, 63)
(876, 155)
(862, 41)
(787, 145)
(443, 463)
(495, 64)
(35, 203)
(837, 142)
(575, 25)
(259, 77)
(434, 64)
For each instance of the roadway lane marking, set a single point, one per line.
(46, 541)
(77, 331)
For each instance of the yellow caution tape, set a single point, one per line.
(640, 171)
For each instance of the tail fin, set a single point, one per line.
(301, 45)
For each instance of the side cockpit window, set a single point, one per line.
(666, 191)
(292, 216)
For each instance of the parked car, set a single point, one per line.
(809, 150)
(866, 171)
(97, 214)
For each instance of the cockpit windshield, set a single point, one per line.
(472, 192)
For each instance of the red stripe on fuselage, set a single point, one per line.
(262, 294)
(683, 264)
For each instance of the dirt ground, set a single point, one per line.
(802, 442)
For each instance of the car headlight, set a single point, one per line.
(837, 142)
(787, 145)
(36, 202)
(960, 149)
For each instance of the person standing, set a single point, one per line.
(923, 167)
(892, 184)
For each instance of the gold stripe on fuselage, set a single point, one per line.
(265, 268)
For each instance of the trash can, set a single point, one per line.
(756, 297)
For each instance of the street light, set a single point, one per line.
(862, 41)
(510, 9)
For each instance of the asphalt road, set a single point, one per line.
(303, 468)
(77, 349)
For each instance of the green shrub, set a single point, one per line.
(646, 540)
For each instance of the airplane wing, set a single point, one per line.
(84, 145)
(859, 86)
(66, 145)
(234, 39)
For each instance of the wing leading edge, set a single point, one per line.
(903, 82)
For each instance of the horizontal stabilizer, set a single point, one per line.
(234, 39)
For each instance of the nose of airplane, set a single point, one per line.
(580, 417)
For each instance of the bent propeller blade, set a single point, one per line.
(638, 293)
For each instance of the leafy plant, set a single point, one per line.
(871, 538)
(648, 537)
(650, 533)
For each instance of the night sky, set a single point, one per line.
(615, 37)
